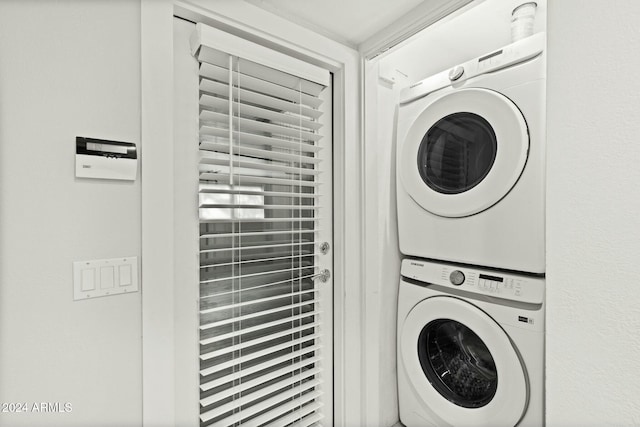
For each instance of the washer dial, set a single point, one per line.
(456, 277)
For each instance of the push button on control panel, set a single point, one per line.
(456, 277)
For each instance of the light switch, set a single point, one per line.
(88, 279)
(106, 277)
(125, 275)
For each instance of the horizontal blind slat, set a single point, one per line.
(283, 79)
(260, 301)
(236, 220)
(253, 261)
(257, 85)
(255, 152)
(257, 286)
(245, 125)
(281, 268)
(208, 159)
(248, 398)
(245, 385)
(253, 247)
(258, 355)
(266, 404)
(252, 180)
(257, 328)
(271, 65)
(261, 313)
(239, 275)
(265, 220)
(209, 189)
(212, 134)
(310, 421)
(289, 406)
(222, 90)
(237, 375)
(248, 110)
(258, 233)
(249, 343)
(305, 414)
(262, 207)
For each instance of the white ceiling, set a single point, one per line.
(347, 21)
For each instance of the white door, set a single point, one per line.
(462, 364)
(464, 152)
(259, 138)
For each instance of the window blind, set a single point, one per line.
(260, 192)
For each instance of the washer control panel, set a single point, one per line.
(498, 284)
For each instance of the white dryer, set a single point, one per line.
(470, 347)
(471, 161)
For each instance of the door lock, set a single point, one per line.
(324, 247)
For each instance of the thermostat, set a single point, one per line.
(104, 159)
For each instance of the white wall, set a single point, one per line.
(593, 250)
(67, 68)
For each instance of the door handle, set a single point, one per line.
(324, 275)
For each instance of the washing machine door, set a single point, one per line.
(462, 364)
(464, 152)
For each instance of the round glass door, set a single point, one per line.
(456, 153)
(457, 363)
(464, 152)
(461, 364)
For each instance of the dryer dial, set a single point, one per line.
(456, 277)
(455, 73)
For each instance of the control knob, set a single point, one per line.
(456, 277)
(456, 72)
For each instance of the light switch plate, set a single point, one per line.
(103, 277)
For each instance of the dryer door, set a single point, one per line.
(464, 152)
(463, 365)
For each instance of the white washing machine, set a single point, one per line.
(471, 161)
(470, 347)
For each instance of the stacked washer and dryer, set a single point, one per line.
(471, 209)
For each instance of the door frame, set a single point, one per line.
(163, 345)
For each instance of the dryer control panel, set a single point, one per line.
(512, 54)
(511, 286)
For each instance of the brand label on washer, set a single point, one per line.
(525, 320)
